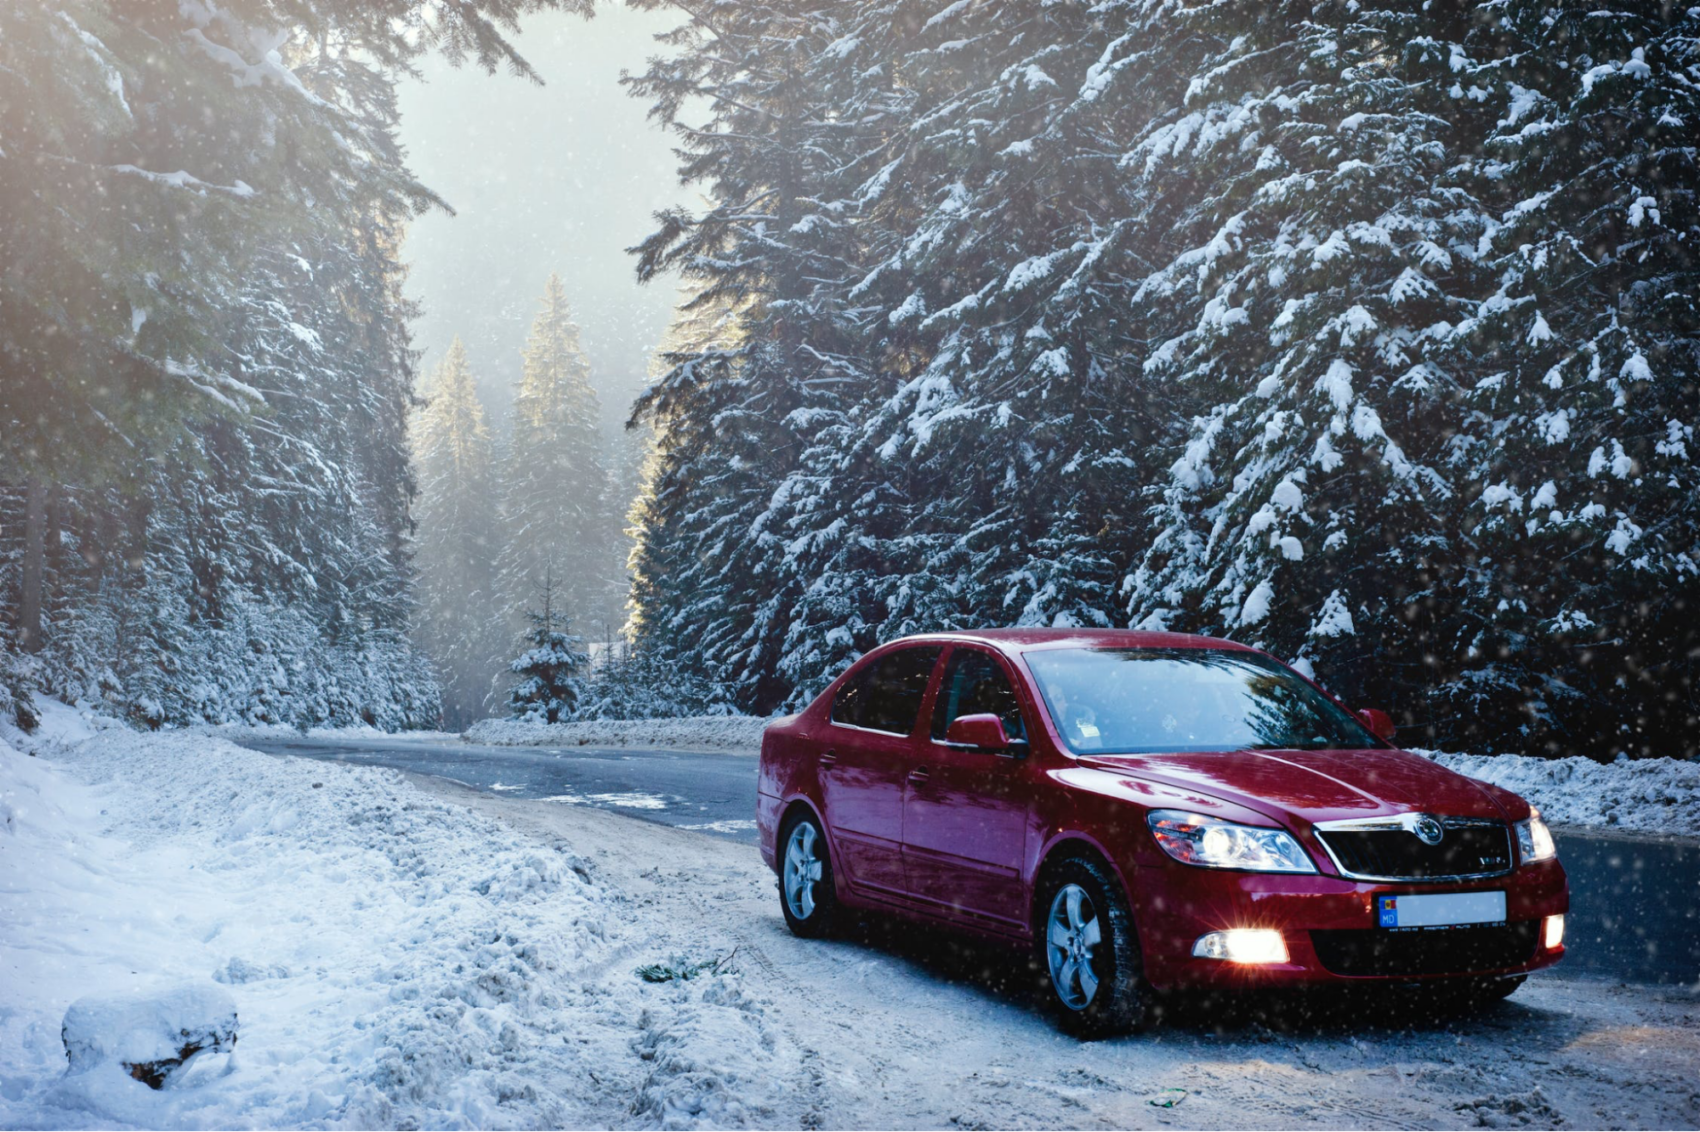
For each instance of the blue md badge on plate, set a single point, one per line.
(1439, 909)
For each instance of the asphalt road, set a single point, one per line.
(712, 792)
(1634, 900)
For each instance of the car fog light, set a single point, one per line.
(1243, 945)
(1553, 935)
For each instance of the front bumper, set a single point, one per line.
(1328, 924)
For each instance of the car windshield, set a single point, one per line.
(1146, 701)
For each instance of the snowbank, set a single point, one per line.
(240, 731)
(394, 959)
(697, 732)
(1646, 795)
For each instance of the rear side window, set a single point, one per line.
(974, 684)
(886, 696)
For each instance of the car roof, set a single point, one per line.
(1027, 640)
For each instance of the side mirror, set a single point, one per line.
(983, 732)
(1380, 724)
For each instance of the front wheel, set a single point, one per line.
(1086, 944)
(806, 892)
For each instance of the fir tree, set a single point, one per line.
(460, 620)
(207, 365)
(552, 669)
(1305, 303)
(555, 489)
(801, 102)
(1365, 333)
(1576, 452)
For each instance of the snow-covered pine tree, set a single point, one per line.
(999, 434)
(799, 100)
(555, 505)
(1324, 241)
(1578, 444)
(222, 349)
(552, 670)
(461, 623)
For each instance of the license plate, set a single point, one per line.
(1441, 910)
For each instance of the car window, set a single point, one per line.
(887, 695)
(974, 684)
(1144, 701)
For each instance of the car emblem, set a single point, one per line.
(1428, 830)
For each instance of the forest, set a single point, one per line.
(1363, 332)
(1366, 333)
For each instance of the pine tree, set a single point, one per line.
(212, 337)
(1578, 441)
(1362, 332)
(1305, 307)
(999, 340)
(552, 669)
(801, 102)
(554, 484)
(460, 619)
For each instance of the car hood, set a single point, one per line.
(1315, 785)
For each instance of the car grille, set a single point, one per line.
(1425, 951)
(1470, 848)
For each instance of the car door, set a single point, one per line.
(871, 744)
(966, 811)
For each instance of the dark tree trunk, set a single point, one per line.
(35, 552)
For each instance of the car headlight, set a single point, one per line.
(1534, 839)
(1194, 839)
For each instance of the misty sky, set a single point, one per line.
(562, 177)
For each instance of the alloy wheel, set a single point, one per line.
(1072, 933)
(803, 870)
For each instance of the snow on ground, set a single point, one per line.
(395, 959)
(1646, 795)
(697, 733)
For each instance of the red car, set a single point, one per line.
(1150, 810)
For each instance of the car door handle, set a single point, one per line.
(828, 759)
(918, 776)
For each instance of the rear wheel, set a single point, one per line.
(806, 892)
(1087, 947)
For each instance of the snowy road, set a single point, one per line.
(897, 1029)
(1635, 899)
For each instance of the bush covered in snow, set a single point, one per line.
(149, 1034)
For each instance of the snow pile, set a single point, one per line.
(1650, 795)
(394, 959)
(697, 732)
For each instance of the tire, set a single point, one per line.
(809, 901)
(1082, 915)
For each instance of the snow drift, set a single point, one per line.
(394, 959)
(698, 732)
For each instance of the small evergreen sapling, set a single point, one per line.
(550, 670)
